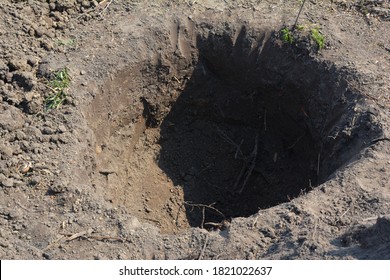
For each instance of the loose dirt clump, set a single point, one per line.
(186, 135)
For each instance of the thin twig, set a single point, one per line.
(93, 9)
(380, 139)
(79, 234)
(253, 164)
(299, 13)
(204, 247)
(295, 142)
(68, 237)
(23, 207)
(54, 243)
(105, 8)
(178, 213)
(255, 221)
(238, 149)
(206, 206)
(252, 156)
(345, 212)
(203, 217)
(318, 163)
(372, 218)
(214, 224)
(106, 237)
(230, 141)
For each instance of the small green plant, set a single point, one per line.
(317, 37)
(58, 85)
(66, 42)
(287, 35)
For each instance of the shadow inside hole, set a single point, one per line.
(245, 134)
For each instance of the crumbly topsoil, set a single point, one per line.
(192, 130)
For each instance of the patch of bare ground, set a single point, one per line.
(194, 130)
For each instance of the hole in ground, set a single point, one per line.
(255, 125)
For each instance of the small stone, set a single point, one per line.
(133, 223)
(64, 139)
(98, 149)
(54, 138)
(48, 130)
(62, 128)
(60, 25)
(32, 61)
(33, 132)
(34, 181)
(60, 187)
(20, 135)
(34, 106)
(17, 64)
(47, 45)
(3, 67)
(46, 256)
(18, 183)
(39, 32)
(6, 152)
(8, 77)
(18, 227)
(82, 72)
(11, 119)
(8, 183)
(52, 6)
(25, 80)
(86, 4)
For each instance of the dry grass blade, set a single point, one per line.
(106, 7)
(230, 141)
(253, 164)
(67, 238)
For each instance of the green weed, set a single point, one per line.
(66, 42)
(317, 37)
(58, 85)
(287, 35)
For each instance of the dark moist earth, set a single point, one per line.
(192, 130)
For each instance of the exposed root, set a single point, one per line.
(204, 207)
(204, 247)
(253, 164)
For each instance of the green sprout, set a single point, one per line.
(318, 38)
(58, 86)
(66, 42)
(287, 35)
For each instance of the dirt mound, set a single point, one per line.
(188, 125)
